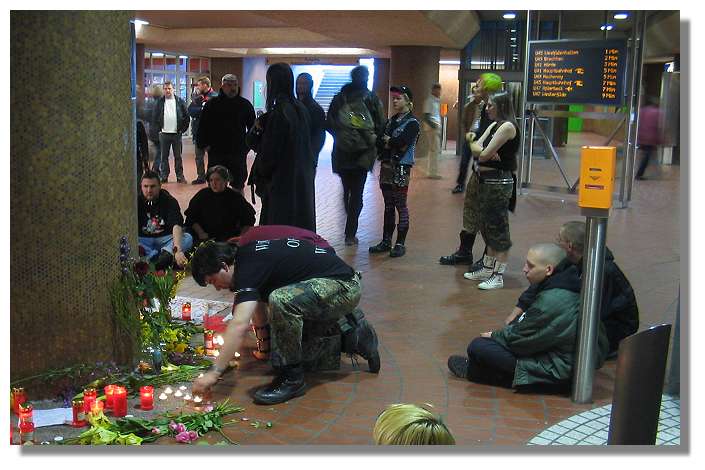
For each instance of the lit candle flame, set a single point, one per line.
(178, 393)
(237, 354)
(168, 390)
(197, 399)
(163, 396)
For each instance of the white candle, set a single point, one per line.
(178, 393)
(216, 353)
(197, 399)
(237, 354)
(200, 375)
(183, 387)
(163, 396)
(187, 397)
(168, 390)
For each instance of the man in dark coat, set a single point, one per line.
(284, 155)
(304, 92)
(538, 347)
(352, 162)
(198, 101)
(224, 123)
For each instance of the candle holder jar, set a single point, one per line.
(19, 396)
(89, 398)
(109, 395)
(186, 311)
(26, 423)
(119, 401)
(146, 397)
(79, 415)
(208, 343)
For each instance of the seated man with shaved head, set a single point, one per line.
(537, 347)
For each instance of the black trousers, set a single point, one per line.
(353, 186)
(236, 165)
(464, 164)
(647, 151)
(490, 363)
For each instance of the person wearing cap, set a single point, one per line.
(396, 148)
(225, 120)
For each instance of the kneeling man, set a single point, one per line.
(300, 281)
(537, 347)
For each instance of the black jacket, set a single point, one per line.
(618, 310)
(198, 101)
(224, 123)
(365, 159)
(182, 120)
(222, 215)
(318, 125)
(286, 161)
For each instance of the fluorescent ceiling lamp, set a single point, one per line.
(449, 62)
(621, 16)
(141, 22)
(157, 54)
(183, 57)
(509, 16)
(608, 27)
(315, 51)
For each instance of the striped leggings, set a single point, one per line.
(395, 199)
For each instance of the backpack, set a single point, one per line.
(357, 128)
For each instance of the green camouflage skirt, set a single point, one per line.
(486, 210)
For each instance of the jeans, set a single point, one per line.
(353, 186)
(153, 245)
(172, 141)
(648, 151)
(490, 363)
(464, 164)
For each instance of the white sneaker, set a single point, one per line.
(495, 281)
(479, 275)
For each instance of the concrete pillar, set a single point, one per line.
(73, 184)
(139, 53)
(416, 67)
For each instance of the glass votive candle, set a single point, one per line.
(163, 396)
(79, 415)
(168, 391)
(109, 394)
(89, 398)
(120, 402)
(96, 407)
(26, 423)
(147, 397)
(19, 396)
(179, 393)
(186, 311)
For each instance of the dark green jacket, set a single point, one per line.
(544, 337)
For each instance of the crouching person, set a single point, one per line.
(537, 347)
(288, 281)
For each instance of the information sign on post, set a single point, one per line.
(577, 72)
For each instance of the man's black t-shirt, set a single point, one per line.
(157, 218)
(266, 265)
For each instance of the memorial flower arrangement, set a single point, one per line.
(185, 428)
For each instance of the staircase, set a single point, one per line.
(333, 80)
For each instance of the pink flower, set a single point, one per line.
(172, 426)
(156, 431)
(180, 428)
(186, 437)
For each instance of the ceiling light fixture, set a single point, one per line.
(315, 51)
(509, 15)
(608, 27)
(621, 16)
(449, 62)
(141, 22)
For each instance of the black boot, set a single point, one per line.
(163, 261)
(289, 384)
(383, 246)
(359, 337)
(464, 253)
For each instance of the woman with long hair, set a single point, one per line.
(492, 190)
(284, 158)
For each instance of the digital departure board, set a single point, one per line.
(577, 72)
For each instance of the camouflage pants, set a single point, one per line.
(486, 211)
(319, 300)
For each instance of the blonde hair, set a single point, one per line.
(407, 424)
(574, 233)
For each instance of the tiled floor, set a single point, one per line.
(592, 427)
(424, 312)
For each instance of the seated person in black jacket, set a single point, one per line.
(618, 311)
(218, 212)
